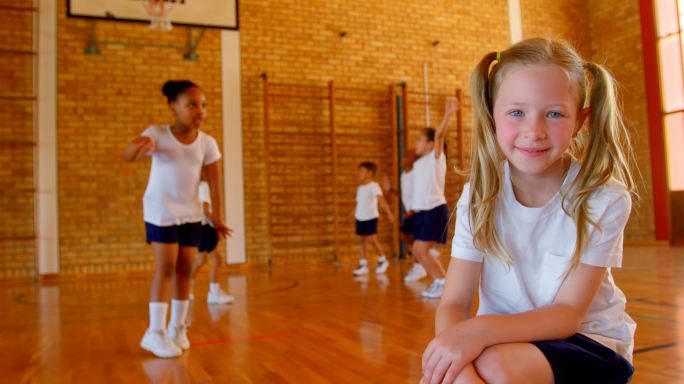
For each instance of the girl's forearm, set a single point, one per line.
(132, 152)
(448, 315)
(215, 191)
(554, 322)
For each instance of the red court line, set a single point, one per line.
(270, 336)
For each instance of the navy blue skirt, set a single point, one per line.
(367, 228)
(579, 359)
(432, 225)
(407, 225)
(186, 235)
(209, 239)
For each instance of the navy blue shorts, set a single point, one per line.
(579, 359)
(407, 225)
(209, 239)
(186, 235)
(432, 225)
(367, 228)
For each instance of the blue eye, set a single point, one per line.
(516, 113)
(554, 115)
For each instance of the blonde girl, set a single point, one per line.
(539, 227)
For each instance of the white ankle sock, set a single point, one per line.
(363, 262)
(179, 311)
(158, 315)
(214, 287)
(382, 258)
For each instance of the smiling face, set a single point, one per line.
(190, 108)
(536, 116)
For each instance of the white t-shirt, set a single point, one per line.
(406, 180)
(541, 242)
(367, 201)
(205, 197)
(171, 197)
(429, 175)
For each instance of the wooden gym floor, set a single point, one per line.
(314, 324)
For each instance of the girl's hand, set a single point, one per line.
(448, 353)
(144, 144)
(222, 230)
(451, 106)
(409, 214)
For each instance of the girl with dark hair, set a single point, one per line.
(172, 209)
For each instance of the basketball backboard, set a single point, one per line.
(200, 13)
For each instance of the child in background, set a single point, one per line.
(368, 195)
(172, 211)
(207, 250)
(417, 271)
(428, 201)
(539, 227)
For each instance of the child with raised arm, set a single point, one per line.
(428, 203)
(172, 210)
(539, 227)
(368, 196)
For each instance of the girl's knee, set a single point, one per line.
(166, 269)
(494, 366)
(184, 267)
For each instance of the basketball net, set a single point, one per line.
(159, 12)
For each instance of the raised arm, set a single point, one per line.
(213, 179)
(450, 108)
(138, 147)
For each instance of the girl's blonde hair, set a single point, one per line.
(603, 149)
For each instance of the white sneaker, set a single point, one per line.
(383, 264)
(159, 344)
(435, 290)
(362, 269)
(179, 336)
(219, 297)
(416, 273)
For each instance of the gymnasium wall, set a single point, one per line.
(16, 151)
(105, 100)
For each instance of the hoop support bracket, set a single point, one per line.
(189, 49)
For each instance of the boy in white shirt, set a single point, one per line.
(368, 195)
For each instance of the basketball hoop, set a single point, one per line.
(159, 12)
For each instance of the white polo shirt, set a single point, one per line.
(367, 201)
(429, 176)
(205, 197)
(406, 180)
(540, 242)
(171, 197)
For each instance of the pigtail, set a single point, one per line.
(485, 173)
(605, 152)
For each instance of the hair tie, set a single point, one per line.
(498, 55)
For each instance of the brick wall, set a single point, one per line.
(564, 19)
(386, 42)
(105, 100)
(616, 42)
(16, 149)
